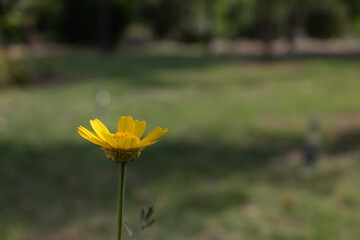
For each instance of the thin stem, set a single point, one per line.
(121, 197)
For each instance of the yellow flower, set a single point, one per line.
(125, 145)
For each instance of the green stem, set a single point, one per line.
(121, 197)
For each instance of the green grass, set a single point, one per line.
(229, 168)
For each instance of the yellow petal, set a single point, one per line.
(90, 134)
(147, 144)
(102, 126)
(155, 134)
(151, 134)
(121, 143)
(103, 132)
(139, 128)
(126, 124)
(90, 139)
(130, 143)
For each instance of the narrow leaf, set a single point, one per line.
(142, 213)
(150, 223)
(128, 229)
(150, 212)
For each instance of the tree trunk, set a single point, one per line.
(267, 22)
(105, 38)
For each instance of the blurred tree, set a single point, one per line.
(234, 18)
(199, 20)
(326, 19)
(196, 23)
(186, 20)
(102, 22)
(270, 15)
(21, 21)
(275, 18)
(163, 16)
(295, 13)
(353, 7)
(94, 22)
(105, 17)
(24, 19)
(353, 10)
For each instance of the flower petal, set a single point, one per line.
(90, 133)
(154, 134)
(126, 124)
(139, 128)
(130, 143)
(88, 137)
(103, 132)
(121, 143)
(147, 144)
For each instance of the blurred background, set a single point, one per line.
(261, 98)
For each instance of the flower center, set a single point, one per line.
(125, 134)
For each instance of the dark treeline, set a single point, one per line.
(105, 22)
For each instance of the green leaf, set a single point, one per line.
(144, 222)
(128, 229)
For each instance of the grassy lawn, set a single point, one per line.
(228, 169)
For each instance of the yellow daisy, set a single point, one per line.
(125, 145)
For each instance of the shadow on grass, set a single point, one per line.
(347, 141)
(68, 179)
(142, 70)
(134, 70)
(44, 187)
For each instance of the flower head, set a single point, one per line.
(124, 145)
